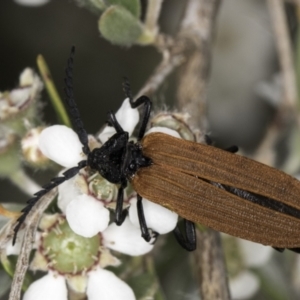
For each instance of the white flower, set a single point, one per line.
(77, 262)
(126, 239)
(165, 130)
(127, 118)
(245, 283)
(86, 214)
(16, 103)
(254, 254)
(105, 285)
(158, 218)
(101, 284)
(61, 144)
(32, 2)
(48, 287)
(244, 286)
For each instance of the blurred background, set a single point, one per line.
(244, 56)
(244, 64)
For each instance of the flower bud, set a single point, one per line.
(174, 121)
(30, 149)
(19, 104)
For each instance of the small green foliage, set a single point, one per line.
(52, 91)
(95, 6)
(134, 6)
(5, 283)
(144, 285)
(120, 26)
(9, 266)
(9, 156)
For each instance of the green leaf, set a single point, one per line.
(134, 6)
(144, 286)
(9, 265)
(95, 6)
(5, 283)
(119, 26)
(52, 91)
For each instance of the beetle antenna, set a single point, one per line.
(127, 89)
(72, 107)
(54, 182)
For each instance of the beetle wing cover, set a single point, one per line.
(179, 180)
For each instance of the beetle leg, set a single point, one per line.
(279, 249)
(188, 241)
(296, 250)
(147, 103)
(232, 149)
(134, 104)
(120, 213)
(208, 141)
(112, 121)
(143, 224)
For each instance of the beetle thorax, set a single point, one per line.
(118, 159)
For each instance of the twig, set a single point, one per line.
(211, 267)
(6, 233)
(24, 183)
(27, 243)
(197, 34)
(161, 72)
(296, 2)
(152, 15)
(279, 22)
(193, 45)
(287, 108)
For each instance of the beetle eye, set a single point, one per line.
(131, 166)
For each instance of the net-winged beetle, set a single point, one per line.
(203, 184)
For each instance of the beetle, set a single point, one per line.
(201, 183)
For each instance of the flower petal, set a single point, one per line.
(127, 117)
(105, 285)
(87, 216)
(158, 218)
(244, 285)
(61, 144)
(67, 192)
(15, 249)
(125, 239)
(48, 287)
(32, 2)
(164, 130)
(254, 254)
